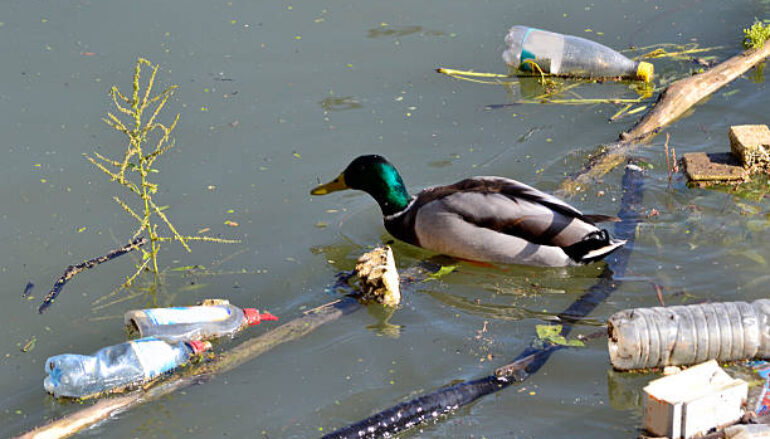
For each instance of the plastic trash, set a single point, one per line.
(215, 319)
(567, 55)
(683, 335)
(693, 402)
(116, 367)
(762, 368)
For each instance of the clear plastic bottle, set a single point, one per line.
(682, 335)
(116, 367)
(567, 55)
(216, 318)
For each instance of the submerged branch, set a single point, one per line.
(72, 270)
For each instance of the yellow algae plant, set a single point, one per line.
(148, 139)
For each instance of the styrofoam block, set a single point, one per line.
(693, 401)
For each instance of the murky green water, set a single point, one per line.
(274, 96)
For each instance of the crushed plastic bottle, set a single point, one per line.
(215, 318)
(682, 335)
(567, 55)
(116, 367)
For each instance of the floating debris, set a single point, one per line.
(693, 402)
(553, 334)
(644, 338)
(29, 345)
(751, 144)
(704, 169)
(28, 289)
(379, 280)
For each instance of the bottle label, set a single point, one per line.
(546, 49)
(187, 314)
(526, 54)
(156, 356)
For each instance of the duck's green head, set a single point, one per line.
(374, 175)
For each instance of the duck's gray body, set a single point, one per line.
(496, 219)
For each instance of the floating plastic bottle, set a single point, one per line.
(683, 335)
(216, 318)
(116, 367)
(567, 55)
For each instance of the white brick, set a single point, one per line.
(693, 401)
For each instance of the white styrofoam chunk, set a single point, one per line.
(693, 401)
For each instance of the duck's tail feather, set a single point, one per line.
(593, 247)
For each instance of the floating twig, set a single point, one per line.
(620, 112)
(668, 165)
(72, 270)
(469, 75)
(659, 292)
(582, 101)
(455, 72)
(680, 54)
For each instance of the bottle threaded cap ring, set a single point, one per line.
(644, 71)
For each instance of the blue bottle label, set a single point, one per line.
(155, 356)
(187, 314)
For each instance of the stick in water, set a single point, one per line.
(72, 270)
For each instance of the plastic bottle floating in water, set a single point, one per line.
(217, 319)
(116, 367)
(683, 335)
(567, 55)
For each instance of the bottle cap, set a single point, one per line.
(199, 346)
(644, 71)
(253, 317)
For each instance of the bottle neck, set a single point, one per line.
(197, 346)
(251, 317)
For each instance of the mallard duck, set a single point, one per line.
(489, 219)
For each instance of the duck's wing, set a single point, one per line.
(517, 190)
(506, 207)
(444, 231)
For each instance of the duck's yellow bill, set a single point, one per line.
(338, 184)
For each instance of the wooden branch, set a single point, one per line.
(683, 94)
(248, 350)
(72, 270)
(672, 104)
